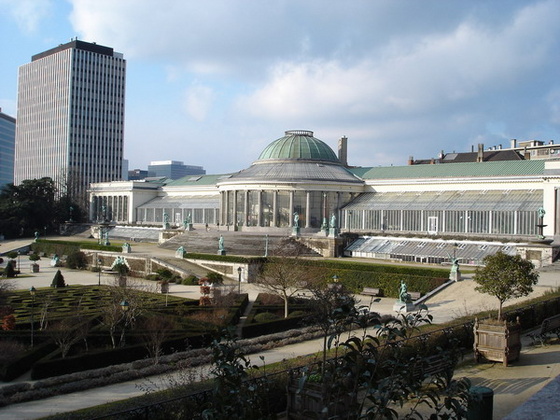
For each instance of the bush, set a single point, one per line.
(58, 280)
(10, 271)
(266, 317)
(12, 255)
(34, 257)
(192, 280)
(215, 278)
(76, 260)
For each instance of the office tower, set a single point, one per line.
(7, 141)
(173, 169)
(71, 117)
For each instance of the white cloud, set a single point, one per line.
(27, 13)
(397, 77)
(198, 101)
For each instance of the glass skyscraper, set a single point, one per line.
(7, 140)
(70, 117)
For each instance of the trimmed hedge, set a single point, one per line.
(225, 258)
(60, 247)
(100, 359)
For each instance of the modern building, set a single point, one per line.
(70, 117)
(137, 174)
(7, 142)
(173, 169)
(413, 212)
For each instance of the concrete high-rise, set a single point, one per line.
(7, 140)
(70, 117)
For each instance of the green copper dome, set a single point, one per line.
(298, 145)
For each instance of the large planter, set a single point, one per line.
(310, 400)
(497, 341)
(164, 287)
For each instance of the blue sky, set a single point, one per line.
(213, 82)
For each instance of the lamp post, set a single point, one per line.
(239, 269)
(99, 271)
(124, 306)
(18, 261)
(32, 291)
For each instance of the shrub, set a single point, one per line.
(191, 280)
(12, 255)
(77, 260)
(34, 257)
(58, 280)
(215, 278)
(266, 317)
(10, 271)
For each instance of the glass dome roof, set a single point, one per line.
(298, 145)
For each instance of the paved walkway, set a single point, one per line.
(512, 386)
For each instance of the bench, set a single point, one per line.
(549, 325)
(433, 365)
(372, 291)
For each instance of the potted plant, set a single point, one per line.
(34, 266)
(504, 277)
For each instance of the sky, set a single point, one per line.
(212, 83)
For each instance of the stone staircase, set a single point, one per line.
(235, 243)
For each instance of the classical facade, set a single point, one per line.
(299, 177)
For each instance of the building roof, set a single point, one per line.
(295, 171)
(298, 144)
(470, 169)
(194, 180)
(487, 156)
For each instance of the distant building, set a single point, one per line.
(173, 169)
(70, 117)
(7, 142)
(524, 150)
(137, 174)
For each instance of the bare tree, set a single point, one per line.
(286, 274)
(68, 332)
(155, 330)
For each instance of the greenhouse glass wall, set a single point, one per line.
(512, 212)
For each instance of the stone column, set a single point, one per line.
(259, 216)
(291, 208)
(274, 208)
(308, 209)
(234, 210)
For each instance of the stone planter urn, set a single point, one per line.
(497, 341)
(35, 268)
(164, 286)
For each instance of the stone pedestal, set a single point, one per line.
(188, 227)
(333, 232)
(455, 275)
(404, 307)
(221, 252)
(295, 231)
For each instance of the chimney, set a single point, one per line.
(480, 154)
(343, 150)
(513, 143)
(411, 160)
